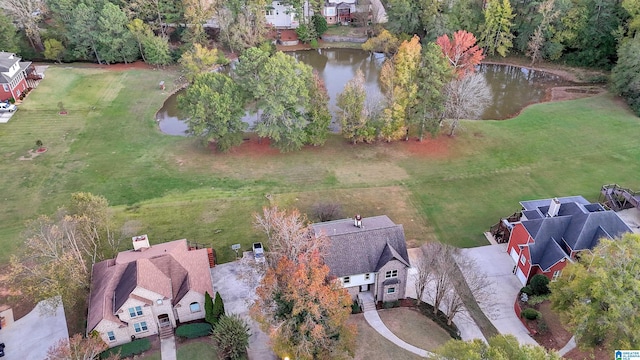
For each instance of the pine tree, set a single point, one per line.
(208, 309)
(218, 308)
(496, 34)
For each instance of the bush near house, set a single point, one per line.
(539, 285)
(125, 350)
(192, 331)
(530, 314)
(440, 318)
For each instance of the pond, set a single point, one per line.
(512, 88)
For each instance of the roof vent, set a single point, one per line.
(357, 221)
(140, 242)
(554, 207)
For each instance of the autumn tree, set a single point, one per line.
(548, 14)
(434, 74)
(288, 234)
(496, 34)
(466, 98)
(399, 77)
(78, 347)
(385, 43)
(304, 311)
(59, 251)
(242, 23)
(318, 114)
(596, 296)
(498, 347)
(53, 50)
(199, 59)
(196, 14)
(461, 52)
(215, 106)
(355, 123)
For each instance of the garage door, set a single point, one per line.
(521, 277)
(514, 255)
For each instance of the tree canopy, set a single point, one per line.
(597, 295)
(501, 347)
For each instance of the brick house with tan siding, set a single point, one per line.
(367, 255)
(148, 290)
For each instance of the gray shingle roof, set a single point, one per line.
(6, 61)
(577, 227)
(363, 250)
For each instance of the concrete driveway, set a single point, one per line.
(497, 265)
(5, 117)
(30, 337)
(236, 282)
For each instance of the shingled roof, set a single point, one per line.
(578, 226)
(360, 250)
(169, 269)
(7, 60)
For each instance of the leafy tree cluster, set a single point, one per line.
(498, 347)
(289, 101)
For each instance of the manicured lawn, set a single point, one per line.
(446, 189)
(414, 328)
(196, 349)
(372, 346)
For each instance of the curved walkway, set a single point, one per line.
(375, 322)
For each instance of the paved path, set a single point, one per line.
(375, 322)
(571, 344)
(168, 348)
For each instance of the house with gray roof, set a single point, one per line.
(148, 290)
(13, 75)
(367, 255)
(552, 232)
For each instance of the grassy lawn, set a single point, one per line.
(342, 30)
(446, 189)
(372, 346)
(414, 328)
(195, 349)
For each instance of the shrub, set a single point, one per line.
(327, 211)
(537, 299)
(539, 284)
(439, 318)
(314, 43)
(208, 309)
(355, 308)
(542, 326)
(320, 23)
(530, 314)
(192, 331)
(133, 348)
(391, 304)
(231, 336)
(526, 290)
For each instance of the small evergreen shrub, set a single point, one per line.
(539, 285)
(133, 348)
(537, 299)
(218, 308)
(530, 314)
(391, 304)
(526, 290)
(231, 336)
(355, 308)
(314, 43)
(192, 331)
(542, 326)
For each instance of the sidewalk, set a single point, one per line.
(168, 348)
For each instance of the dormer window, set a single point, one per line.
(135, 311)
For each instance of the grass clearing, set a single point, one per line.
(414, 328)
(372, 346)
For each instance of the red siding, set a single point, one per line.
(15, 92)
(558, 266)
(527, 265)
(519, 236)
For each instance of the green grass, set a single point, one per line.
(170, 188)
(201, 350)
(414, 328)
(372, 346)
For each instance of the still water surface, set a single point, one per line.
(512, 87)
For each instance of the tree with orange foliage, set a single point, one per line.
(461, 51)
(304, 311)
(79, 348)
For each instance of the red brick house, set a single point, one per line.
(552, 232)
(13, 76)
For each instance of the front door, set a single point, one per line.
(364, 288)
(164, 320)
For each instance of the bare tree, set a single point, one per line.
(466, 98)
(27, 14)
(477, 283)
(289, 235)
(425, 268)
(78, 348)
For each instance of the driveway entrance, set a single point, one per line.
(497, 265)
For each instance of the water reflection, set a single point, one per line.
(512, 87)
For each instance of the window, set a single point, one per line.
(111, 336)
(367, 276)
(391, 274)
(5, 87)
(140, 327)
(523, 259)
(269, 12)
(556, 275)
(391, 290)
(346, 280)
(135, 311)
(194, 307)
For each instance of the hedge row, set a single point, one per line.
(129, 349)
(441, 319)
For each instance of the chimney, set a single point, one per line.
(554, 207)
(140, 242)
(357, 221)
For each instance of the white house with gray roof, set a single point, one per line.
(368, 255)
